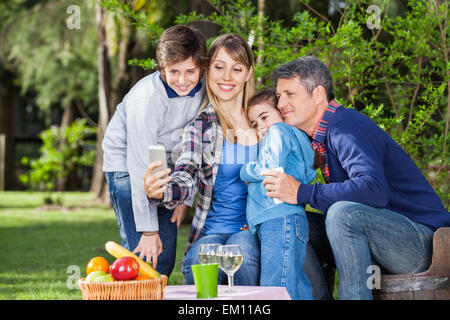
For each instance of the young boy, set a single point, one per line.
(281, 228)
(155, 111)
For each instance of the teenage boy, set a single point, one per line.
(153, 112)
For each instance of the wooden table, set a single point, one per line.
(187, 292)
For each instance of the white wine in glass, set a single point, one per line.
(230, 260)
(207, 253)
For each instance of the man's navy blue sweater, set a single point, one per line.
(367, 166)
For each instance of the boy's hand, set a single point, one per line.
(149, 248)
(281, 186)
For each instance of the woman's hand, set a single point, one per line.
(149, 247)
(178, 214)
(156, 183)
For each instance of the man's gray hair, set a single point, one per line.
(311, 72)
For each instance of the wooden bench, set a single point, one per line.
(433, 284)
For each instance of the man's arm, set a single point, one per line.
(361, 155)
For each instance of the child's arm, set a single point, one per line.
(250, 172)
(273, 154)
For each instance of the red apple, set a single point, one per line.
(125, 268)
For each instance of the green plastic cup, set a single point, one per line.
(205, 279)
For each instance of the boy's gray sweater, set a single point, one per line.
(146, 116)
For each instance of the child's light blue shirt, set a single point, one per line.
(283, 146)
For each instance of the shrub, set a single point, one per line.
(63, 149)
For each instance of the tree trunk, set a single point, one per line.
(67, 116)
(98, 184)
(122, 77)
(8, 95)
(259, 58)
(66, 120)
(206, 28)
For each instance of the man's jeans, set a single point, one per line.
(248, 273)
(390, 236)
(283, 246)
(120, 193)
(362, 236)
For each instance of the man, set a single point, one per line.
(380, 209)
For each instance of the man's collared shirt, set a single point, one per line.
(320, 133)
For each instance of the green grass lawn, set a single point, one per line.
(39, 244)
(41, 247)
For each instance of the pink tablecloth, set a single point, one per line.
(187, 292)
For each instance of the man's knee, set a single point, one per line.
(341, 216)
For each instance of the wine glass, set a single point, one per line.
(230, 260)
(207, 253)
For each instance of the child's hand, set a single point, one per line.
(245, 228)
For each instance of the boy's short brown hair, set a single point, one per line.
(267, 95)
(177, 44)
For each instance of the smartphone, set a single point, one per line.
(158, 153)
(279, 169)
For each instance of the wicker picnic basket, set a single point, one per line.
(149, 289)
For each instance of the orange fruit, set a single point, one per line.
(97, 264)
(142, 277)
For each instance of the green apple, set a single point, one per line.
(105, 278)
(94, 274)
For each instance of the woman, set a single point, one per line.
(215, 146)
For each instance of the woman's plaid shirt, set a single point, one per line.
(196, 168)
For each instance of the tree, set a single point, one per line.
(116, 46)
(59, 63)
(48, 59)
(397, 74)
(54, 61)
(8, 93)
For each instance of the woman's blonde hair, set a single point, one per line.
(241, 52)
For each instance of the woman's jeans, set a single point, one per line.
(120, 193)
(363, 238)
(248, 273)
(283, 246)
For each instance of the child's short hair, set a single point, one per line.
(177, 44)
(267, 95)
